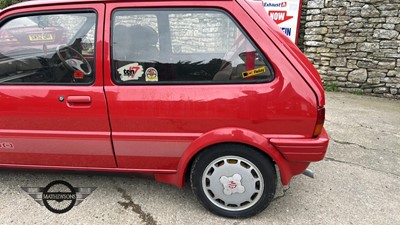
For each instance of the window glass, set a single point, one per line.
(202, 32)
(183, 46)
(48, 49)
(135, 36)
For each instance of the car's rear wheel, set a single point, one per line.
(233, 180)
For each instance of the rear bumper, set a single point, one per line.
(302, 150)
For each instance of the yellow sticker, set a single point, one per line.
(252, 73)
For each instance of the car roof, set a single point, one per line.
(34, 3)
(57, 2)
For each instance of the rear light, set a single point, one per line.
(8, 39)
(320, 121)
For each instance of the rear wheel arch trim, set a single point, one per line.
(231, 135)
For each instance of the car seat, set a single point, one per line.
(143, 46)
(121, 42)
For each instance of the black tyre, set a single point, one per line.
(233, 180)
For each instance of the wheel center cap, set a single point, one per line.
(232, 184)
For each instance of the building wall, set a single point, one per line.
(354, 44)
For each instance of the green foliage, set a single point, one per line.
(5, 3)
(358, 92)
(331, 86)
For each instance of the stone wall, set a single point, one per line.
(192, 32)
(354, 44)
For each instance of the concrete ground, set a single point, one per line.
(357, 183)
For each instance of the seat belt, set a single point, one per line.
(250, 62)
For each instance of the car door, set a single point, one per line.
(53, 110)
(176, 73)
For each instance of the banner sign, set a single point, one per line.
(286, 13)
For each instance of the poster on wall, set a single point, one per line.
(286, 14)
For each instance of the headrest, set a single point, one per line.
(144, 34)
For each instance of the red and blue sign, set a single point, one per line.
(286, 14)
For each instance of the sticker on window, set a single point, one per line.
(151, 74)
(132, 71)
(252, 73)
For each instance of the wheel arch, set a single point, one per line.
(223, 136)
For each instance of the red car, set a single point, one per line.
(210, 93)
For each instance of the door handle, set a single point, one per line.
(79, 101)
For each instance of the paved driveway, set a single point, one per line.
(357, 183)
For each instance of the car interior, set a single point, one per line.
(44, 52)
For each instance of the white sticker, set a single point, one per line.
(131, 71)
(151, 74)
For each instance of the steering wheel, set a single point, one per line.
(72, 63)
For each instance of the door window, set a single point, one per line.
(48, 49)
(183, 46)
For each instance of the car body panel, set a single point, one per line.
(288, 48)
(302, 150)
